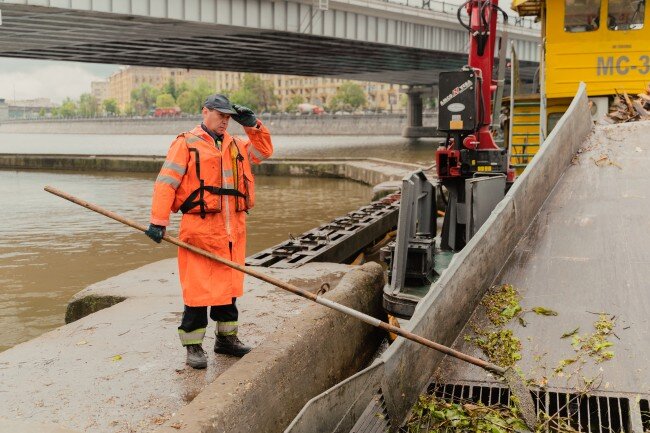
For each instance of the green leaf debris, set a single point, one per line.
(594, 345)
(570, 334)
(433, 414)
(544, 311)
(502, 304)
(498, 344)
(501, 347)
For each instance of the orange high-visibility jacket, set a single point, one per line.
(214, 216)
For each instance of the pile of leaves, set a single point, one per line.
(434, 414)
(498, 344)
(502, 304)
(628, 109)
(501, 347)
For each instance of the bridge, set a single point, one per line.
(353, 39)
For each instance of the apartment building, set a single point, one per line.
(99, 89)
(315, 90)
(127, 79)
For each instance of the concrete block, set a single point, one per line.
(265, 390)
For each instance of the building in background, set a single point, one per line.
(30, 108)
(129, 78)
(99, 90)
(314, 90)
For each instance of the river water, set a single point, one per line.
(391, 147)
(50, 249)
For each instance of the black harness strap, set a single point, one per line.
(197, 162)
(191, 202)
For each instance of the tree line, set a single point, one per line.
(253, 92)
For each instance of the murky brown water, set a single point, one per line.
(50, 249)
(390, 147)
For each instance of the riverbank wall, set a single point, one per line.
(370, 171)
(379, 124)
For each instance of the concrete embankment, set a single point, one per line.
(371, 171)
(381, 124)
(121, 369)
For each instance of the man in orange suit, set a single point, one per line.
(207, 176)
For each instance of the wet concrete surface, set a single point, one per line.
(10, 426)
(122, 369)
(587, 252)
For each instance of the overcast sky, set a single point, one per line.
(31, 79)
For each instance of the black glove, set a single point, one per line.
(155, 232)
(244, 116)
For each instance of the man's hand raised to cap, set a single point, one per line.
(245, 116)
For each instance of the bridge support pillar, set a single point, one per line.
(414, 108)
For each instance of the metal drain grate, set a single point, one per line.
(585, 413)
(374, 418)
(644, 405)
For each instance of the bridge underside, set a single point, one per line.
(79, 36)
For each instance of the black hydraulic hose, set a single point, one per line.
(505, 15)
(481, 107)
(485, 22)
(460, 20)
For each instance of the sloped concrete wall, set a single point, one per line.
(443, 312)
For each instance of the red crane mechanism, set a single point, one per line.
(465, 114)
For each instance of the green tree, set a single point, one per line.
(41, 112)
(54, 112)
(129, 110)
(174, 89)
(255, 93)
(349, 97)
(186, 102)
(88, 105)
(110, 106)
(68, 108)
(170, 88)
(191, 100)
(293, 103)
(165, 100)
(143, 99)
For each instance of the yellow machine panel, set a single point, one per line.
(605, 43)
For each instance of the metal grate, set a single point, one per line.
(374, 418)
(336, 241)
(644, 405)
(585, 413)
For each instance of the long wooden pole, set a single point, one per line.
(289, 287)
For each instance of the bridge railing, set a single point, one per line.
(452, 8)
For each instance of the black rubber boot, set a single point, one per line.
(230, 345)
(196, 356)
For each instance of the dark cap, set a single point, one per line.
(220, 103)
